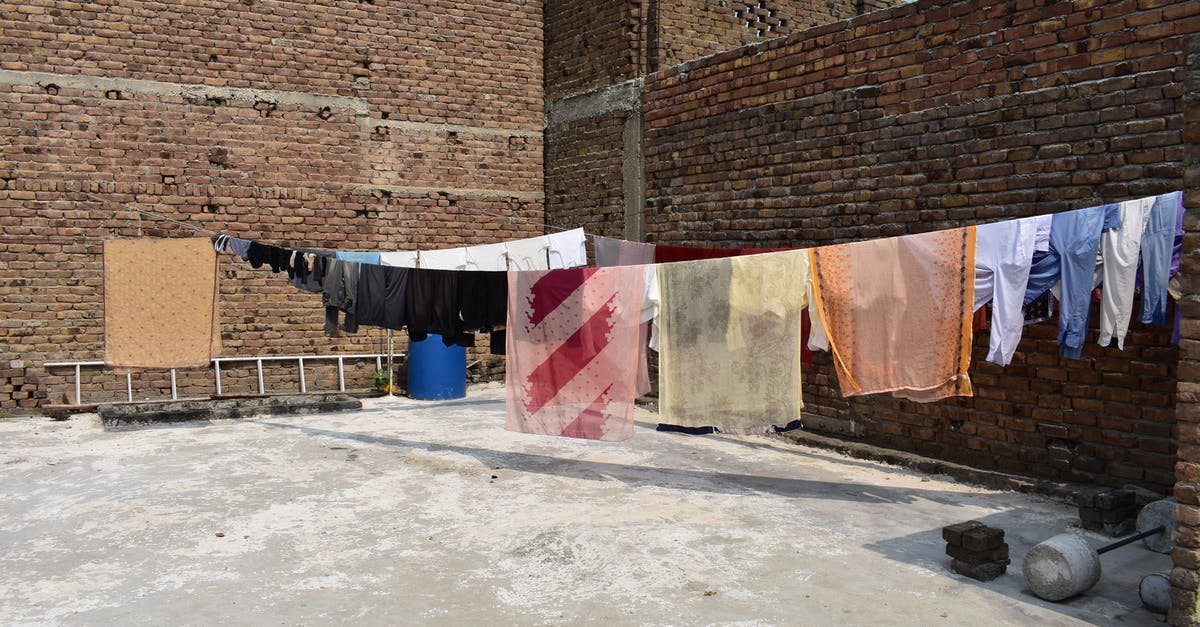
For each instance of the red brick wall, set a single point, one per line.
(592, 44)
(1185, 578)
(932, 116)
(583, 174)
(339, 124)
(690, 29)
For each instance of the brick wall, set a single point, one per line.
(690, 29)
(591, 45)
(357, 126)
(1185, 578)
(583, 171)
(937, 115)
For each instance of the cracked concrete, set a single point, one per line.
(417, 511)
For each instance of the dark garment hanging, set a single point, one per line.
(483, 299)
(340, 293)
(278, 258)
(382, 296)
(307, 269)
(668, 254)
(433, 307)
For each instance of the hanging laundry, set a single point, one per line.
(382, 296)
(483, 305)
(1003, 256)
(399, 259)
(360, 257)
(445, 259)
(307, 268)
(1119, 250)
(528, 254)
(237, 245)
(670, 254)
(1157, 256)
(618, 252)
(730, 333)
(898, 313)
(278, 258)
(1075, 237)
(1041, 241)
(571, 351)
(160, 303)
(339, 294)
(487, 257)
(568, 249)
(433, 307)
(648, 332)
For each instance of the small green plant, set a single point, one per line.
(381, 379)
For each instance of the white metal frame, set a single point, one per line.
(300, 359)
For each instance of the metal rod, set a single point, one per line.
(129, 386)
(217, 366)
(78, 399)
(261, 389)
(174, 393)
(341, 377)
(1131, 539)
(391, 386)
(303, 384)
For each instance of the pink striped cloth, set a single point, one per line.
(572, 351)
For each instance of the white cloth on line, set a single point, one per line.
(445, 259)
(1119, 249)
(1041, 241)
(399, 259)
(528, 254)
(1003, 256)
(488, 257)
(568, 249)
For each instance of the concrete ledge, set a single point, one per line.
(966, 474)
(149, 414)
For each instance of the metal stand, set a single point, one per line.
(391, 351)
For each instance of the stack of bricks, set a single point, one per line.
(976, 550)
(1108, 511)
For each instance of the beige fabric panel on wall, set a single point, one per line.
(160, 303)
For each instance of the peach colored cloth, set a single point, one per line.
(898, 313)
(160, 303)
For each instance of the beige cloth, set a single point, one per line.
(160, 303)
(898, 313)
(730, 339)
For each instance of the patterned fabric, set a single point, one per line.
(730, 337)
(160, 303)
(572, 351)
(898, 313)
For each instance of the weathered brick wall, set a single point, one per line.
(690, 29)
(357, 126)
(937, 115)
(1185, 578)
(592, 44)
(583, 174)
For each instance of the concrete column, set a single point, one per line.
(633, 178)
(1185, 578)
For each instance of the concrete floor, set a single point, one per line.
(429, 512)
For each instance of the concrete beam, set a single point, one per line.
(625, 96)
(465, 192)
(427, 127)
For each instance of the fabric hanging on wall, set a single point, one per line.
(1157, 255)
(528, 254)
(399, 259)
(730, 341)
(1119, 252)
(339, 293)
(487, 257)
(382, 298)
(1003, 257)
(618, 252)
(898, 313)
(445, 259)
(160, 303)
(572, 350)
(359, 256)
(1075, 237)
(568, 249)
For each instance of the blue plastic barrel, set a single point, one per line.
(436, 371)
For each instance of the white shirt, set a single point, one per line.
(1003, 256)
(491, 257)
(399, 259)
(568, 249)
(1119, 249)
(528, 254)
